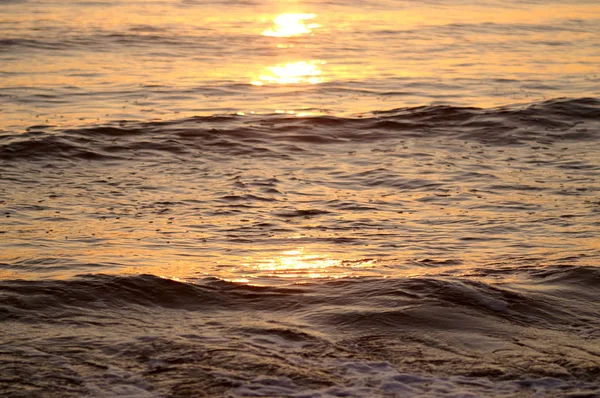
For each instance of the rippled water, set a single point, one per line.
(80, 62)
(299, 199)
(257, 197)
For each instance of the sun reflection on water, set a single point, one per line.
(293, 73)
(301, 266)
(294, 260)
(287, 25)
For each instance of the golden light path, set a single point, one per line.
(287, 25)
(294, 260)
(298, 72)
(292, 73)
(298, 264)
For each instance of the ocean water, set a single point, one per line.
(299, 198)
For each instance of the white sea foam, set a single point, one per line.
(380, 379)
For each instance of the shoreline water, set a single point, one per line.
(146, 336)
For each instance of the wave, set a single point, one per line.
(275, 135)
(149, 336)
(540, 300)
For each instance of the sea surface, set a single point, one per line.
(307, 199)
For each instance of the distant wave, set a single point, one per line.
(546, 122)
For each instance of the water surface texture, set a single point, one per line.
(77, 62)
(299, 199)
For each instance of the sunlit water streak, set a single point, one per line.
(73, 64)
(288, 25)
(299, 198)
